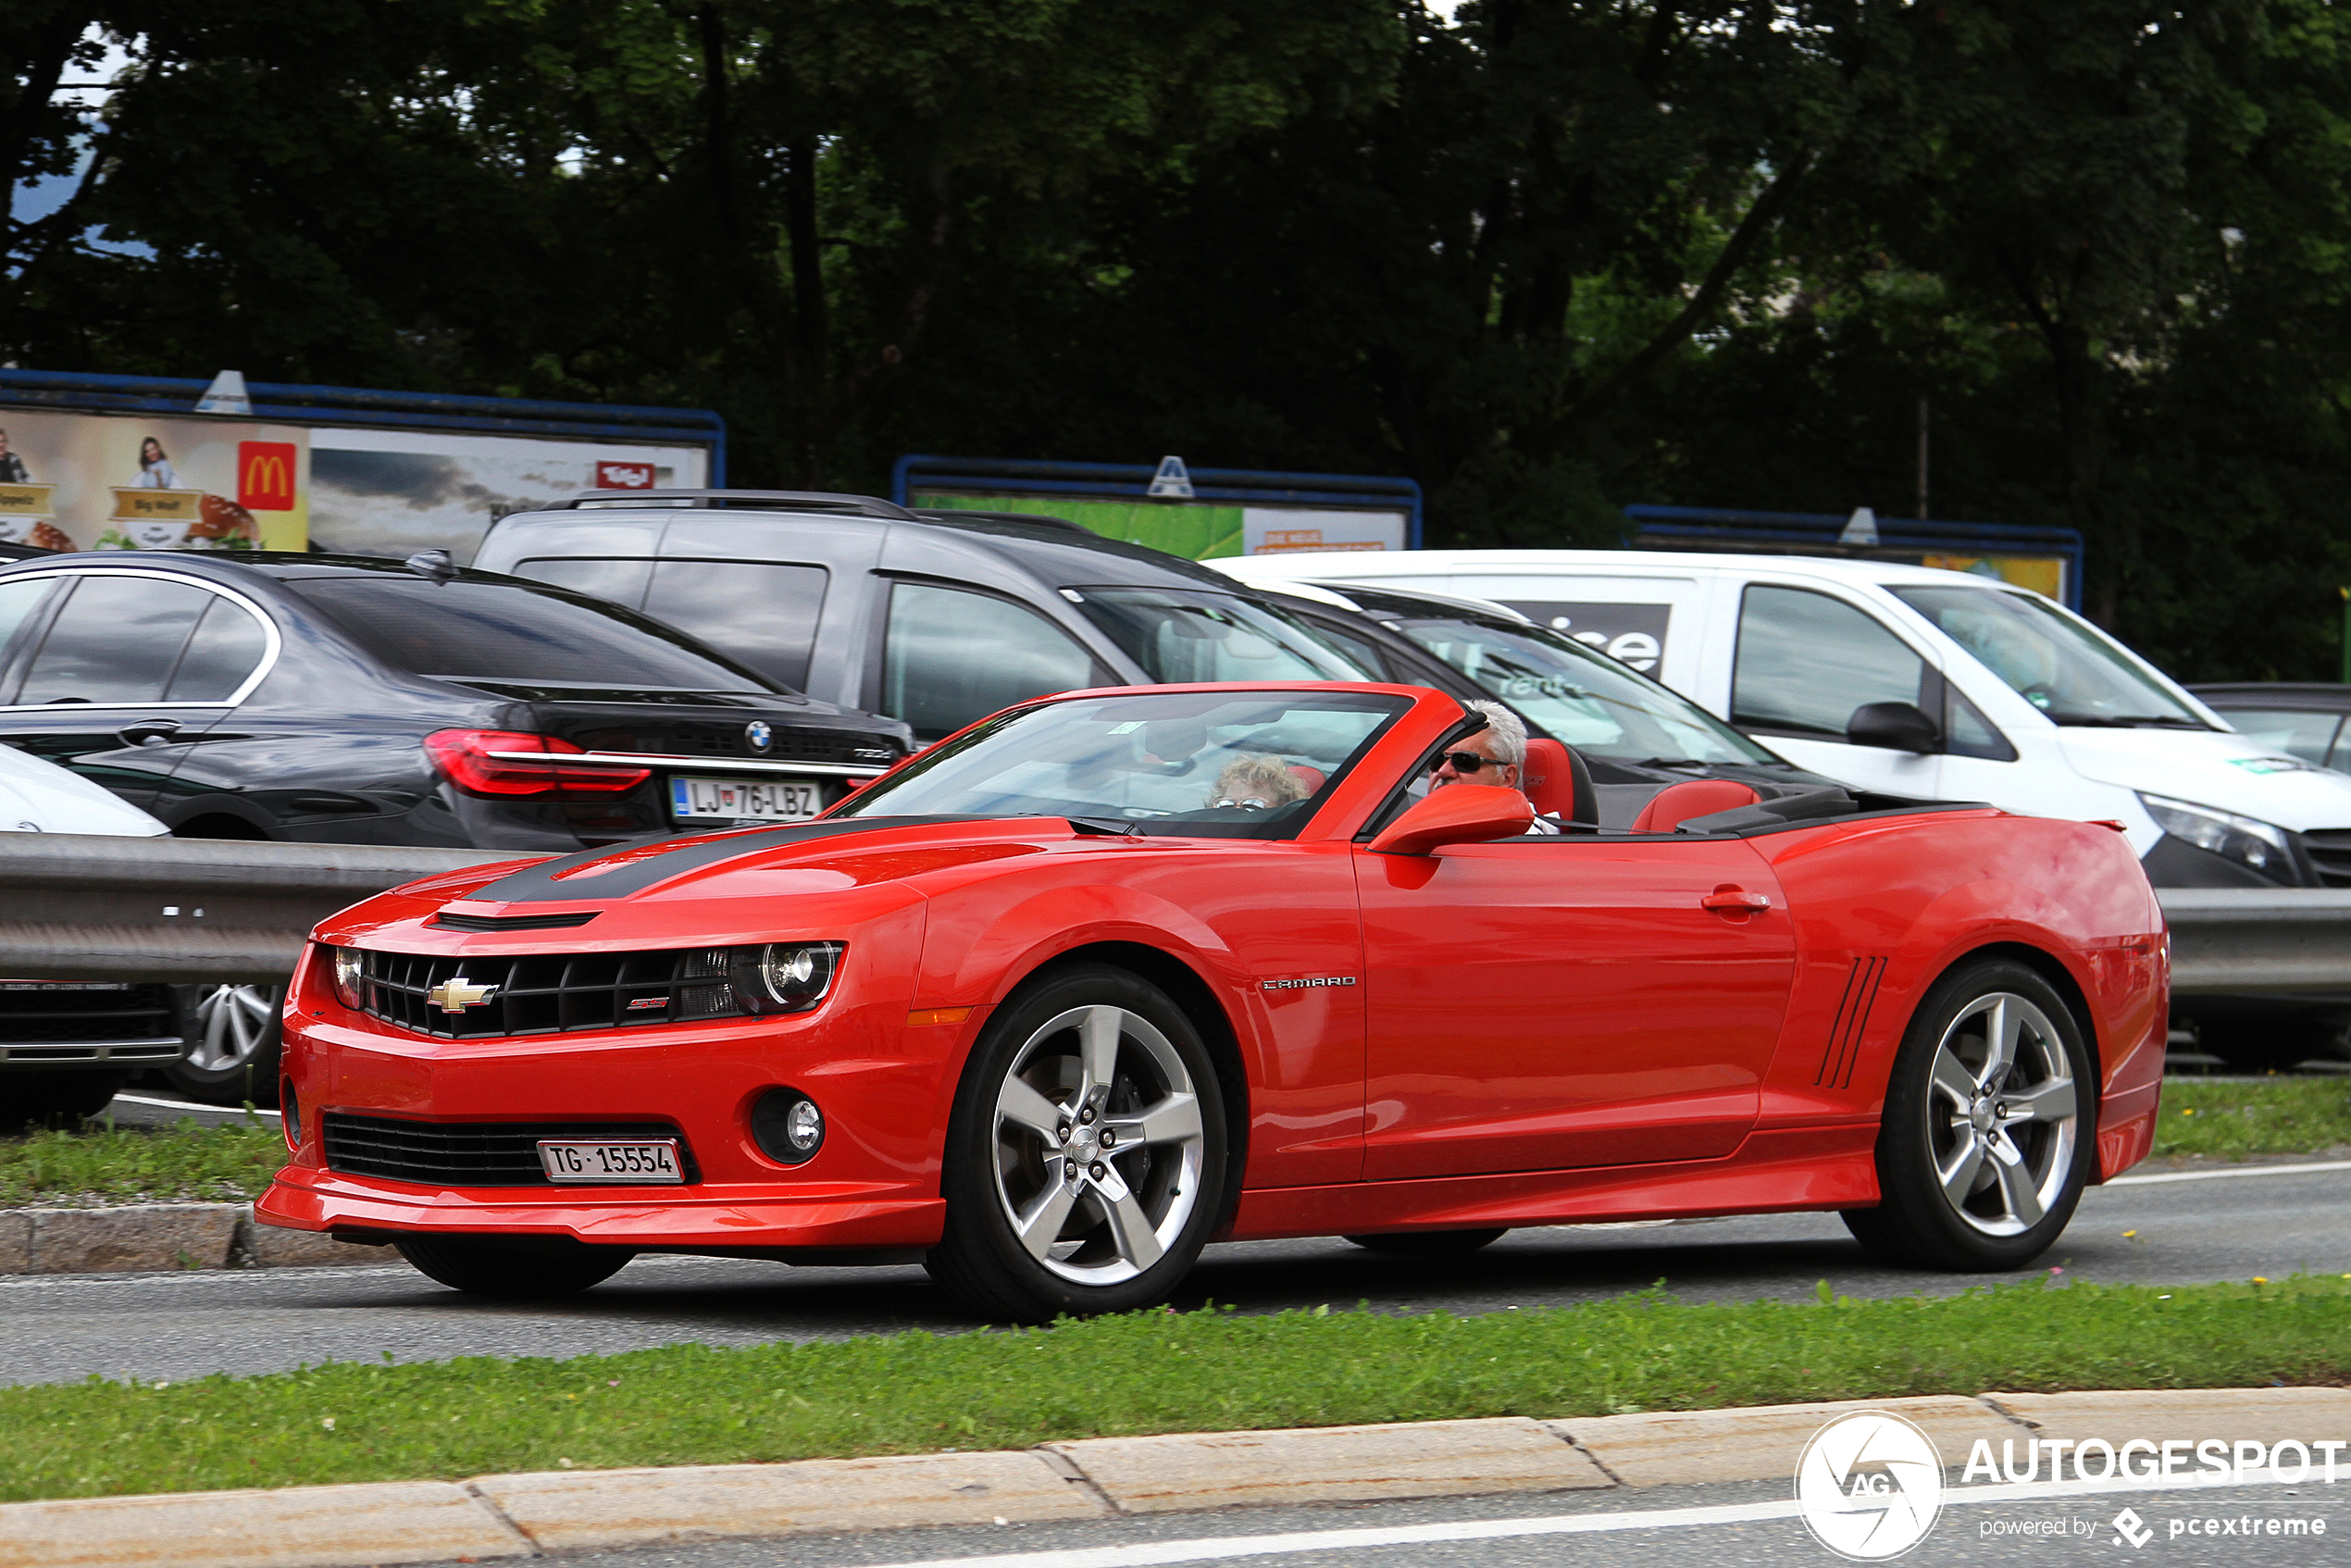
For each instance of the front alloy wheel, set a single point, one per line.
(1088, 1156)
(1987, 1141)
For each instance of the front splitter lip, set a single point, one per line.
(842, 1214)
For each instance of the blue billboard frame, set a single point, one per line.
(990, 476)
(292, 403)
(1723, 529)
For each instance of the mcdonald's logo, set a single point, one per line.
(266, 475)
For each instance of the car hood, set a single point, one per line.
(2209, 767)
(743, 886)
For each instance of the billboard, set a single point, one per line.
(1198, 513)
(124, 462)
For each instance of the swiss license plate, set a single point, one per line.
(766, 800)
(610, 1160)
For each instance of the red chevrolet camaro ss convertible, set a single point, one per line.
(1115, 974)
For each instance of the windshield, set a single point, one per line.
(507, 632)
(1181, 635)
(1229, 765)
(1583, 698)
(2053, 662)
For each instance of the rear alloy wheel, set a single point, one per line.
(512, 1268)
(1988, 1136)
(1430, 1243)
(1086, 1158)
(233, 1046)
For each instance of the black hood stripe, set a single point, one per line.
(541, 884)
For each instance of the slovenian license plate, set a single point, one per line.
(767, 800)
(610, 1160)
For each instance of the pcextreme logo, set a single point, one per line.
(1869, 1486)
(266, 476)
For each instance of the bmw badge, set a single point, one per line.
(758, 734)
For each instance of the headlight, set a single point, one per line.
(350, 973)
(2248, 840)
(783, 977)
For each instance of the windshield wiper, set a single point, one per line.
(1671, 762)
(2125, 721)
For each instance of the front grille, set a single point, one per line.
(512, 922)
(63, 1015)
(2329, 852)
(466, 1153)
(549, 993)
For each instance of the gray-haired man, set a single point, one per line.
(1495, 755)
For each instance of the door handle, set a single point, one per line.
(1728, 900)
(150, 732)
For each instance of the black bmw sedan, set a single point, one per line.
(351, 700)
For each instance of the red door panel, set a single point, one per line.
(1543, 1004)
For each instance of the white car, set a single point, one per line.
(1945, 685)
(66, 1046)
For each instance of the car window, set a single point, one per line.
(1231, 764)
(19, 600)
(509, 631)
(623, 582)
(1806, 661)
(949, 656)
(2304, 735)
(1363, 654)
(1967, 733)
(117, 639)
(2063, 666)
(1580, 695)
(227, 644)
(1181, 634)
(763, 613)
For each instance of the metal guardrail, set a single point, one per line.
(2257, 940)
(75, 907)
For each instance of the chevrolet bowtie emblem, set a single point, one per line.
(458, 994)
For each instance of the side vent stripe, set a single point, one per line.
(1852, 1020)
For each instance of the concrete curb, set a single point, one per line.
(151, 1238)
(508, 1516)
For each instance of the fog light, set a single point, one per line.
(350, 973)
(786, 1126)
(290, 1110)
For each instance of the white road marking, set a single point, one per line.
(2231, 1170)
(201, 1109)
(1147, 1554)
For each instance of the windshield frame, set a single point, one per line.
(1676, 708)
(2084, 635)
(1393, 706)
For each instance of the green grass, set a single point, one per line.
(2230, 1121)
(183, 1163)
(1151, 1372)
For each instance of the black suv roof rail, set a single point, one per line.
(747, 500)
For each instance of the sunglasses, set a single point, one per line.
(1465, 762)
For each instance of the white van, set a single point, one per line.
(1917, 683)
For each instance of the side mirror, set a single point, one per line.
(1458, 813)
(1893, 727)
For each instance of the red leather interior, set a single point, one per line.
(1548, 778)
(1309, 777)
(1677, 804)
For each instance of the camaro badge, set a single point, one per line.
(458, 994)
(1308, 984)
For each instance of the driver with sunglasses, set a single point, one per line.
(1495, 755)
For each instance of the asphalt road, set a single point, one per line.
(1711, 1527)
(180, 1326)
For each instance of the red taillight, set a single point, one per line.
(465, 757)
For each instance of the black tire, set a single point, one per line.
(2250, 1045)
(1998, 1212)
(57, 1097)
(1113, 1231)
(1430, 1243)
(512, 1268)
(233, 1045)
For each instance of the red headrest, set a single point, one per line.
(1311, 778)
(1677, 804)
(1548, 778)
